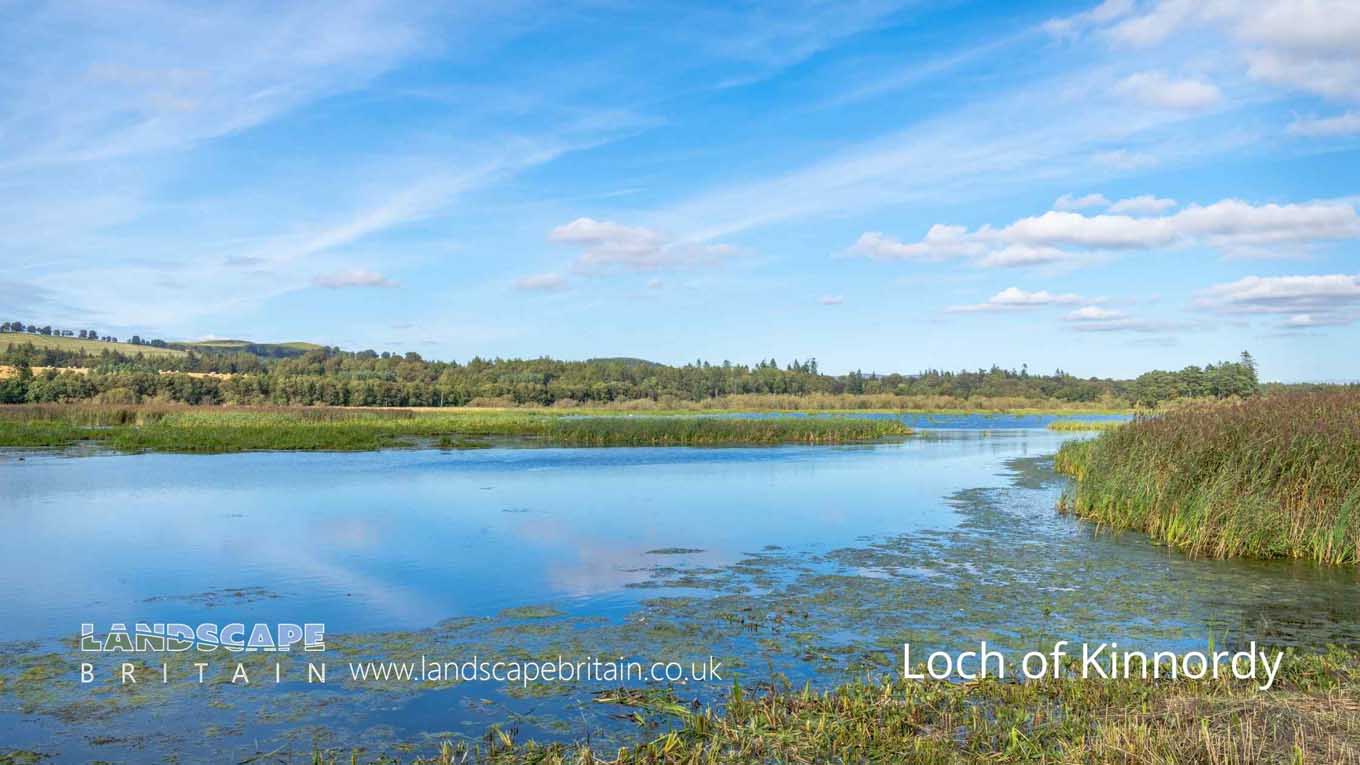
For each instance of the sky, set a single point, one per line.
(1104, 188)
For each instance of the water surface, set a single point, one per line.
(806, 563)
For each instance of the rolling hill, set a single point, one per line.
(88, 346)
(266, 350)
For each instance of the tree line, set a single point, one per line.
(48, 330)
(368, 378)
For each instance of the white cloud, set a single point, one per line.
(606, 245)
(546, 282)
(1157, 90)
(1015, 299)
(1145, 204)
(941, 242)
(831, 299)
(1306, 301)
(1021, 255)
(1319, 127)
(1096, 319)
(1308, 45)
(1094, 313)
(1069, 202)
(1311, 45)
(357, 277)
(1232, 227)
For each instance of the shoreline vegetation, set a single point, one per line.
(235, 429)
(1311, 717)
(1270, 477)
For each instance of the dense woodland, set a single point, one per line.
(368, 378)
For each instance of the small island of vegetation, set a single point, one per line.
(178, 428)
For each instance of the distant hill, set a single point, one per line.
(266, 350)
(56, 342)
(625, 360)
(75, 344)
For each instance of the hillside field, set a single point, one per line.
(76, 344)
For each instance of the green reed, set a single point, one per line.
(1269, 477)
(221, 429)
(1083, 425)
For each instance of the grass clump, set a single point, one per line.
(1083, 425)
(1267, 478)
(232, 429)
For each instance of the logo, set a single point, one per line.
(208, 636)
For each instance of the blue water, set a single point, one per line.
(401, 539)
(942, 537)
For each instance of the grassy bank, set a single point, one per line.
(1312, 717)
(1269, 477)
(222, 429)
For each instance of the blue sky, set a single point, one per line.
(891, 186)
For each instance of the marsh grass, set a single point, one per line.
(1312, 716)
(221, 429)
(1269, 477)
(1083, 425)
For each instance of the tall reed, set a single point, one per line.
(1269, 477)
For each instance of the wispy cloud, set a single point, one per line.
(1144, 204)
(1066, 127)
(1016, 299)
(545, 282)
(1327, 127)
(1071, 202)
(1159, 91)
(357, 277)
(608, 246)
(95, 82)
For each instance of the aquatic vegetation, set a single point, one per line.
(222, 429)
(1269, 477)
(1083, 425)
(1310, 719)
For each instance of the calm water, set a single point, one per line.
(940, 539)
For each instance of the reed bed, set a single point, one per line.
(1083, 425)
(1312, 716)
(1270, 477)
(225, 429)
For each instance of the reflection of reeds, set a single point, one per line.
(189, 429)
(1270, 477)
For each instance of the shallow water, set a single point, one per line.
(811, 563)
